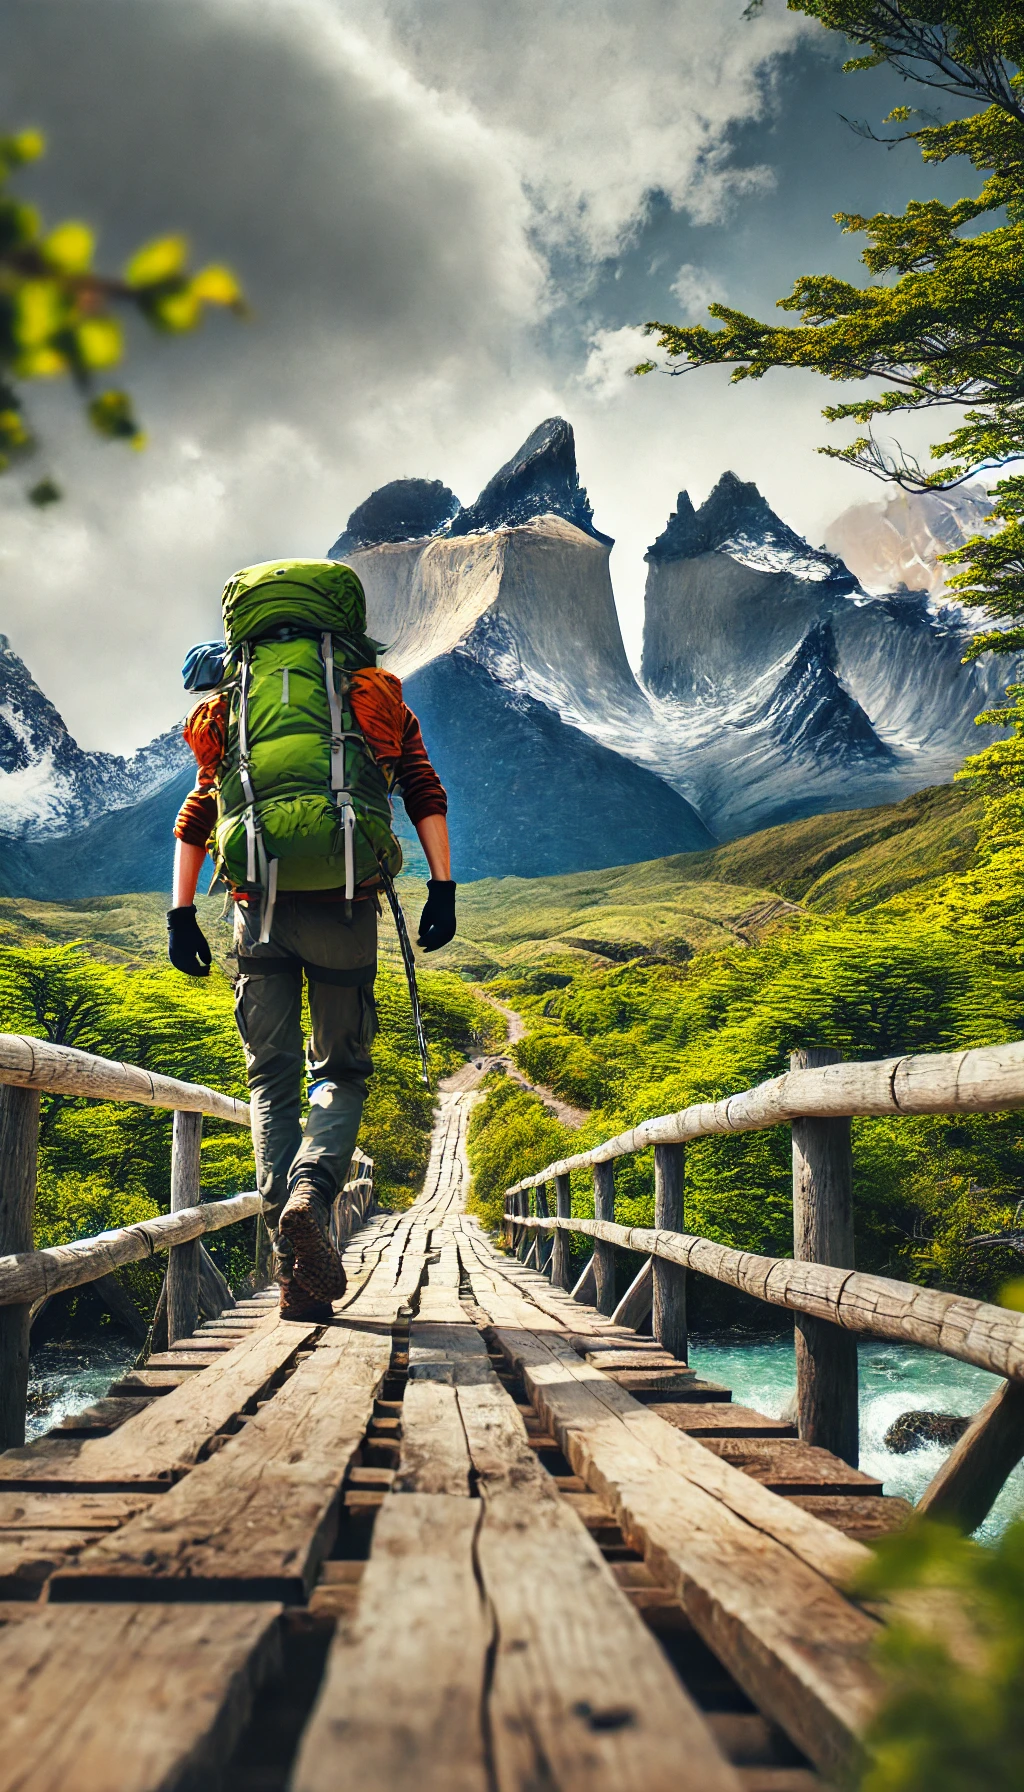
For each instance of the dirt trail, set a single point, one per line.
(474, 1072)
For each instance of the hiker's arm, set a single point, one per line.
(433, 833)
(188, 863)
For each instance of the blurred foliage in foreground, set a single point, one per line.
(953, 1717)
(59, 315)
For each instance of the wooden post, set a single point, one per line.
(543, 1238)
(669, 1313)
(826, 1355)
(19, 1139)
(183, 1259)
(974, 1473)
(604, 1254)
(560, 1242)
(525, 1233)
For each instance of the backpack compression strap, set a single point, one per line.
(342, 795)
(258, 868)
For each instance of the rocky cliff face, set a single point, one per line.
(782, 686)
(49, 786)
(896, 541)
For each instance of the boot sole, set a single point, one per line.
(317, 1267)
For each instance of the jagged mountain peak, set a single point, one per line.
(736, 520)
(808, 706)
(540, 479)
(404, 510)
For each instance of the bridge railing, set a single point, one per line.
(30, 1067)
(832, 1303)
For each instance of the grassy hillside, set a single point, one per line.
(877, 933)
(670, 908)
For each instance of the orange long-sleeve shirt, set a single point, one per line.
(392, 733)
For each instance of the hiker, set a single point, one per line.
(299, 744)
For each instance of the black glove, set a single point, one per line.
(437, 922)
(186, 947)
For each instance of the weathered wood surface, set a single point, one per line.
(28, 1558)
(27, 1063)
(865, 1519)
(973, 1331)
(759, 1577)
(400, 1704)
(987, 1080)
(604, 1254)
(788, 1466)
(975, 1471)
(167, 1438)
(28, 1276)
(257, 1519)
(668, 1321)
(636, 1303)
(720, 1419)
(827, 1380)
(125, 1698)
(560, 1243)
(183, 1259)
(19, 1133)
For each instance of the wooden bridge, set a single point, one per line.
(477, 1534)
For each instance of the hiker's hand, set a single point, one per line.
(186, 947)
(437, 922)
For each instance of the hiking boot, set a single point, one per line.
(305, 1230)
(297, 1304)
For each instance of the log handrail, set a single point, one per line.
(986, 1080)
(28, 1276)
(974, 1331)
(30, 1063)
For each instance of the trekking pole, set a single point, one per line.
(410, 965)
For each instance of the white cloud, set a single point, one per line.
(394, 182)
(696, 288)
(612, 356)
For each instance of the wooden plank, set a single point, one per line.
(720, 1419)
(102, 1417)
(256, 1520)
(560, 1242)
(143, 1698)
(791, 1466)
(19, 1138)
(864, 1519)
(402, 1698)
(768, 1608)
(28, 1558)
(69, 1511)
(585, 1287)
(167, 1438)
(975, 1471)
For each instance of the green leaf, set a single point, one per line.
(112, 415)
(99, 342)
(176, 311)
(39, 312)
(216, 286)
(43, 493)
(70, 247)
(156, 262)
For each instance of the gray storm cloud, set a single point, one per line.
(394, 184)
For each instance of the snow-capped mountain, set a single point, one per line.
(897, 540)
(49, 785)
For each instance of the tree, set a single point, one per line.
(58, 315)
(942, 322)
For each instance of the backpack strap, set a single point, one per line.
(259, 868)
(342, 795)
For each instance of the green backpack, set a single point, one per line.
(301, 802)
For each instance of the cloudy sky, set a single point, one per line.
(449, 217)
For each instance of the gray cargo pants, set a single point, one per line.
(339, 958)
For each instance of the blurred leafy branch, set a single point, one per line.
(953, 1718)
(942, 321)
(59, 315)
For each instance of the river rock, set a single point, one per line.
(912, 1430)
